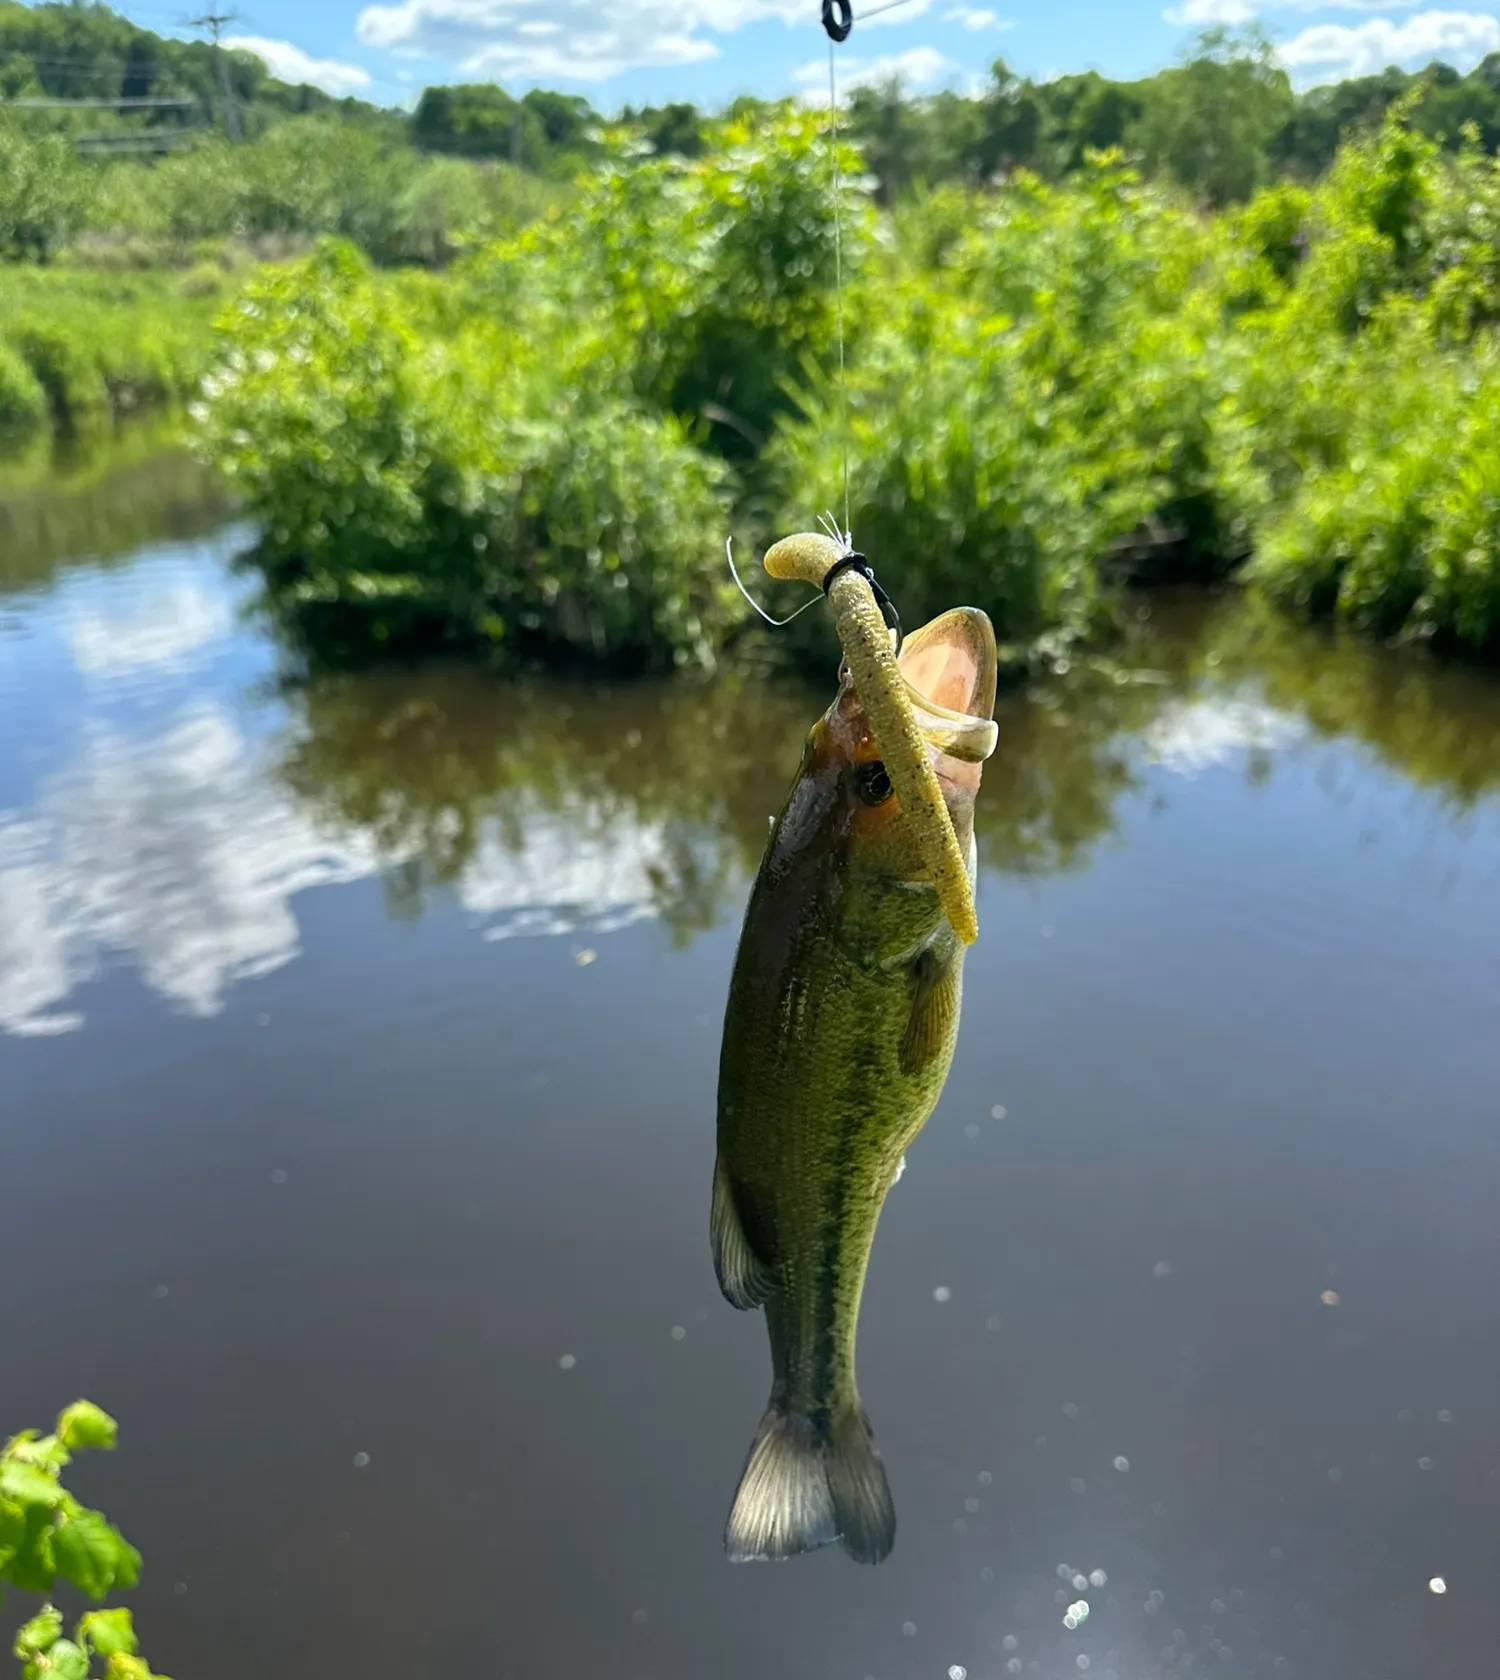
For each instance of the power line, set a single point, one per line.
(214, 22)
(94, 104)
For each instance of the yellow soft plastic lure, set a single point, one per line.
(906, 726)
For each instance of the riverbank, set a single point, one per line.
(81, 348)
(539, 454)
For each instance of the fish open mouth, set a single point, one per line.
(949, 668)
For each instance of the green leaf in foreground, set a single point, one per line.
(31, 1566)
(84, 1424)
(123, 1667)
(89, 1552)
(110, 1632)
(41, 1633)
(24, 1484)
(65, 1661)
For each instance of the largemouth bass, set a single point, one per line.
(842, 1018)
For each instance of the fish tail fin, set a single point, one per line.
(806, 1487)
(784, 1504)
(862, 1503)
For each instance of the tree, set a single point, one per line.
(674, 128)
(44, 194)
(1210, 120)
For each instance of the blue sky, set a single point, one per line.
(650, 51)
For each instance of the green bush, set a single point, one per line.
(415, 489)
(1403, 536)
(1050, 388)
(44, 194)
(23, 402)
(100, 343)
(64, 367)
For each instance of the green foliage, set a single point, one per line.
(551, 133)
(1050, 387)
(1062, 407)
(417, 488)
(1210, 122)
(23, 402)
(46, 1535)
(94, 345)
(517, 459)
(44, 194)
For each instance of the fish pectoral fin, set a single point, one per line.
(744, 1277)
(936, 988)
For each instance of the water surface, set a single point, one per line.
(358, 1038)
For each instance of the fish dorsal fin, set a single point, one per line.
(936, 989)
(744, 1278)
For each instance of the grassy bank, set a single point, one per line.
(1050, 386)
(79, 347)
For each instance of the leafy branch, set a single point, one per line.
(46, 1535)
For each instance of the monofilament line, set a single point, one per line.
(838, 263)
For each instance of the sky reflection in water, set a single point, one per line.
(1185, 1294)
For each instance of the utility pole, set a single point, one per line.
(214, 22)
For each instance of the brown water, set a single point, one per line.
(357, 1056)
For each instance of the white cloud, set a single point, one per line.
(290, 64)
(1330, 52)
(177, 852)
(1192, 736)
(977, 18)
(918, 67)
(167, 849)
(575, 871)
(115, 632)
(1202, 14)
(578, 40)
(575, 40)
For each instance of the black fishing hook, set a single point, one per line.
(853, 562)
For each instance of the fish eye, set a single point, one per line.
(871, 782)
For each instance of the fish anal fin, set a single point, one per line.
(937, 987)
(862, 1505)
(784, 1504)
(745, 1279)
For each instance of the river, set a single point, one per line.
(358, 1037)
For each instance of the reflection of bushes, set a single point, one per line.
(101, 504)
(1435, 723)
(431, 762)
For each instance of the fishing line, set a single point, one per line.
(775, 622)
(838, 239)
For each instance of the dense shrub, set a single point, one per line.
(1049, 387)
(99, 344)
(415, 488)
(23, 402)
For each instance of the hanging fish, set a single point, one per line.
(842, 1017)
